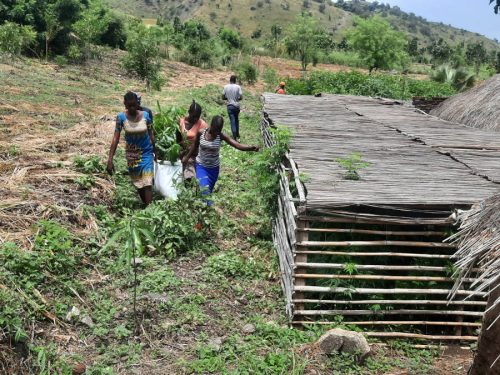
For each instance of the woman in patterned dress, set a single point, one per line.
(140, 146)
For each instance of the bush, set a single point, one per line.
(270, 78)
(356, 83)
(15, 39)
(61, 61)
(246, 72)
(346, 58)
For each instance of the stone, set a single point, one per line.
(87, 320)
(248, 328)
(215, 343)
(339, 340)
(79, 369)
(73, 313)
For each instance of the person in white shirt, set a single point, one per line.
(232, 94)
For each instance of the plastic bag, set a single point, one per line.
(167, 176)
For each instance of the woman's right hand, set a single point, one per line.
(110, 167)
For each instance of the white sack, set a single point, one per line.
(167, 176)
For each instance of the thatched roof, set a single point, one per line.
(478, 242)
(478, 107)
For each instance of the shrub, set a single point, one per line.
(247, 72)
(356, 83)
(346, 58)
(15, 39)
(270, 78)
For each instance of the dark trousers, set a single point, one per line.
(234, 114)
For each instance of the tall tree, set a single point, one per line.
(302, 39)
(379, 45)
(476, 55)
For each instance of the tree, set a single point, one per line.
(230, 38)
(143, 56)
(302, 39)
(440, 51)
(91, 26)
(476, 55)
(52, 27)
(496, 8)
(275, 42)
(413, 47)
(14, 38)
(379, 45)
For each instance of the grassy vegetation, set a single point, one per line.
(67, 299)
(356, 83)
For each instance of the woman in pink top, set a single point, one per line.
(189, 127)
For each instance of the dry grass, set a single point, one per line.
(477, 107)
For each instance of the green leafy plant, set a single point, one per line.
(246, 72)
(166, 124)
(90, 164)
(352, 164)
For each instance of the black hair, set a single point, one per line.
(195, 110)
(217, 122)
(130, 96)
(232, 79)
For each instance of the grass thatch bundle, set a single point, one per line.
(478, 243)
(477, 107)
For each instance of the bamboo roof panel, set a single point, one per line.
(415, 159)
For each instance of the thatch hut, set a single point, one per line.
(478, 107)
(479, 257)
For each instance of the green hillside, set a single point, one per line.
(248, 16)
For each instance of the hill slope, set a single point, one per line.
(247, 16)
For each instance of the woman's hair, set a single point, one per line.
(217, 122)
(194, 110)
(130, 96)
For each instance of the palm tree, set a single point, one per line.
(459, 78)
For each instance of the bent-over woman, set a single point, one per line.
(140, 146)
(208, 143)
(186, 136)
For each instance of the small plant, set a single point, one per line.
(166, 124)
(88, 165)
(352, 164)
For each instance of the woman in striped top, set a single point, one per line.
(208, 142)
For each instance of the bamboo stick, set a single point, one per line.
(376, 232)
(387, 312)
(375, 243)
(420, 336)
(392, 302)
(396, 322)
(377, 277)
(339, 266)
(325, 289)
(376, 254)
(395, 221)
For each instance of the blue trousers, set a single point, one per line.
(234, 114)
(207, 177)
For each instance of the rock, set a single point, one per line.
(340, 340)
(87, 320)
(215, 343)
(135, 261)
(156, 297)
(248, 328)
(79, 369)
(73, 313)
